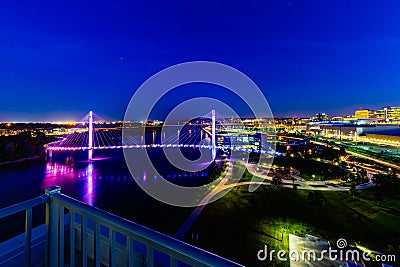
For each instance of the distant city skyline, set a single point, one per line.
(61, 60)
(60, 116)
(77, 116)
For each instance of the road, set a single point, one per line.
(373, 159)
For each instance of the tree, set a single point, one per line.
(364, 175)
(385, 184)
(277, 181)
(342, 151)
(353, 177)
(353, 190)
(384, 180)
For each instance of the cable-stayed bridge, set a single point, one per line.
(93, 133)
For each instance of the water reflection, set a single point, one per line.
(89, 185)
(67, 175)
(108, 174)
(54, 171)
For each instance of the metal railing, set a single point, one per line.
(27, 207)
(78, 234)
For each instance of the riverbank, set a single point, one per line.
(20, 160)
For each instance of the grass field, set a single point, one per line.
(241, 223)
(311, 169)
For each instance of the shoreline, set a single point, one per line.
(20, 160)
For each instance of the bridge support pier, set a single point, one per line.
(90, 154)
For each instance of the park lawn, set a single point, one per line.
(240, 169)
(309, 167)
(241, 223)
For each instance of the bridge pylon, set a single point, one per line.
(213, 144)
(90, 139)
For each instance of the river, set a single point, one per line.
(105, 183)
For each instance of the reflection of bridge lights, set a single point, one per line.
(55, 169)
(89, 184)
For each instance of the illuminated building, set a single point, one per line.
(383, 139)
(364, 114)
(291, 125)
(349, 118)
(351, 130)
(389, 114)
(322, 117)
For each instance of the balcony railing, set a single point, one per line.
(80, 235)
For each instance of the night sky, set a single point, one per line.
(60, 59)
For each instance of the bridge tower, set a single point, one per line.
(213, 144)
(90, 139)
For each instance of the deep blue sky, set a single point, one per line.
(59, 60)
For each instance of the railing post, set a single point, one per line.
(113, 260)
(129, 243)
(62, 230)
(173, 262)
(52, 223)
(28, 236)
(149, 256)
(71, 238)
(97, 245)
